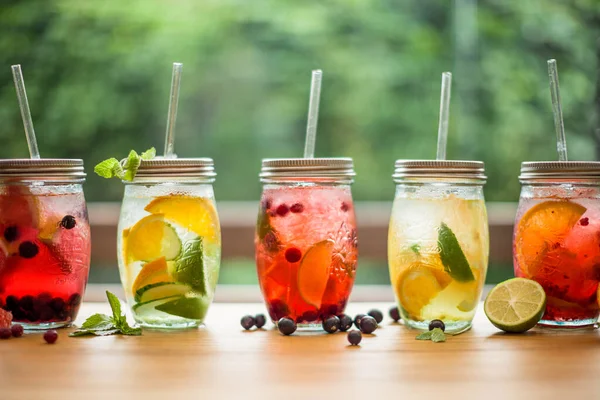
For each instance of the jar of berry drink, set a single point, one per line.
(557, 238)
(44, 242)
(306, 240)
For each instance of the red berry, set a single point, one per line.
(584, 221)
(293, 254)
(51, 336)
(345, 207)
(297, 208)
(266, 204)
(5, 333)
(282, 210)
(17, 330)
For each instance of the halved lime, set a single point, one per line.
(515, 305)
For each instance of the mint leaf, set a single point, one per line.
(106, 168)
(149, 154)
(189, 267)
(96, 332)
(131, 165)
(97, 322)
(115, 305)
(437, 335)
(424, 336)
(129, 331)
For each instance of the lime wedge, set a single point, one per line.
(515, 305)
(452, 256)
(160, 290)
(186, 307)
(189, 267)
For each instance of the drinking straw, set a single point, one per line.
(444, 115)
(313, 113)
(172, 116)
(561, 141)
(34, 153)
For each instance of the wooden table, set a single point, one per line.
(222, 361)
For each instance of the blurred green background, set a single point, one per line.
(98, 76)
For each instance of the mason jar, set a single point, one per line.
(306, 240)
(169, 242)
(44, 241)
(438, 242)
(557, 238)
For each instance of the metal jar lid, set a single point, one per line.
(560, 170)
(438, 169)
(53, 170)
(183, 168)
(322, 169)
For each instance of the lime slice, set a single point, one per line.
(189, 268)
(185, 307)
(452, 256)
(515, 305)
(156, 271)
(148, 307)
(161, 290)
(150, 238)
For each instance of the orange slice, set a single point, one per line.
(151, 238)
(313, 272)
(542, 227)
(418, 285)
(156, 271)
(196, 214)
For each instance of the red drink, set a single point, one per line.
(306, 250)
(44, 253)
(557, 241)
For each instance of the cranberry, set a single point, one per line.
(12, 303)
(267, 203)
(11, 233)
(247, 322)
(584, 221)
(395, 314)
(5, 333)
(286, 326)
(26, 303)
(16, 330)
(354, 337)
(378, 315)
(75, 300)
(297, 208)
(436, 323)
(331, 324)
(260, 321)
(278, 309)
(368, 324)
(308, 316)
(357, 320)
(282, 210)
(51, 336)
(345, 207)
(345, 322)
(57, 304)
(68, 222)
(293, 254)
(28, 249)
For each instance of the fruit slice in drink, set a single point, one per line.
(151, 238)
(313, 272)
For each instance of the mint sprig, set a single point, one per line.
(126, 169)
(103, 325)
(436, 335)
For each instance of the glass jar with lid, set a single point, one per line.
(169, 242)
(438, 242)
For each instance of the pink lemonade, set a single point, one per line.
(306, 250)
(44, 254)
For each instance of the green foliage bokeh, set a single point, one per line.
(98, 75)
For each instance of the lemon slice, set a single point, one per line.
(151, 238)
(196, 214)
(156, 271)
(313, 272)
(515, 305)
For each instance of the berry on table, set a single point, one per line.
(354, 337)
(260, 321)
(331, 324)
(368, 324)
(5, 333)
(436, 323)
(247, 322)
(357, 319)
(286, 326)
(378, 315)
(16, 330)
(395, 314)
(51, 336)
(345, 322)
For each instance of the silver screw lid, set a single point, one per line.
(192, 168)
(554, 170)
(327, 169)
(439, 169)
(57, 170)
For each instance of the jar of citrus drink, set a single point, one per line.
(169, 242)
(306, 240)
(44, 241)
(557, 238)
(438, 241)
